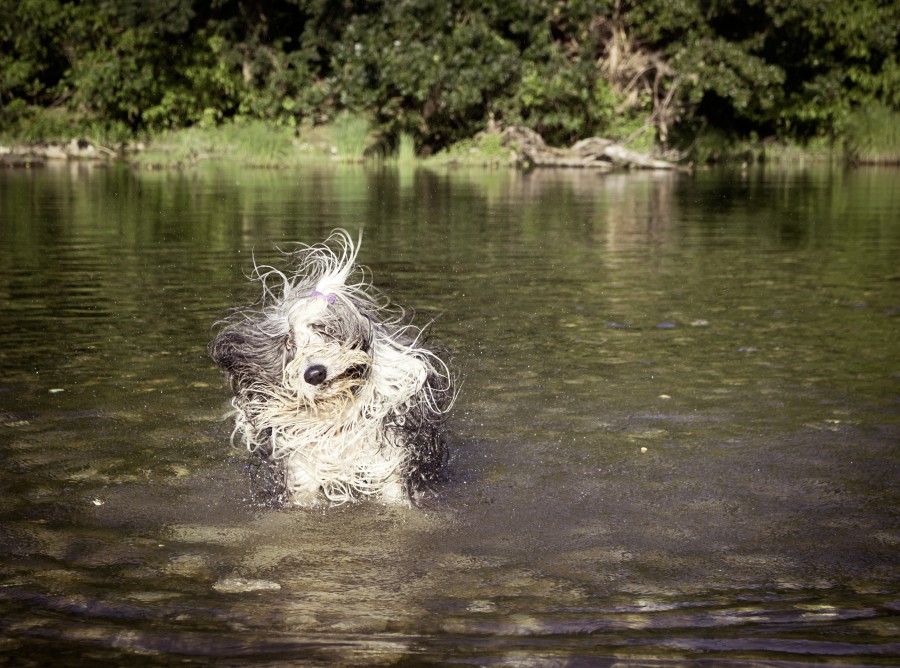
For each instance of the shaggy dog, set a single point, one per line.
(333, 383)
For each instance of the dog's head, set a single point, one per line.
(331, 378)
(322, 361)
(308, 340)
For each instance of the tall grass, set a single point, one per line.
(485, 149)
(873, 135)
(250, 143)
(259, 144)
(406, 149)
(350, 133)
(716, 147)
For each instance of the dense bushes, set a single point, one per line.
(441, 70)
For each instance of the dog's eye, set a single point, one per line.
(321, 330)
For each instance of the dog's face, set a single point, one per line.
(328, 351)
(311, 351)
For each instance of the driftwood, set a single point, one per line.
(594, 153)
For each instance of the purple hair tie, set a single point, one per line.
(331, 299)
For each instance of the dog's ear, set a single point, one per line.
(249, 356)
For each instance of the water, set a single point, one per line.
(676, 442)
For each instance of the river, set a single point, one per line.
(677, 440)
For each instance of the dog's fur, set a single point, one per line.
(333, 383)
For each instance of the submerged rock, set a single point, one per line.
(242, 585)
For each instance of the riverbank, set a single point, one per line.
(351, 140)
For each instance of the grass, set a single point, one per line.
(258, 144)
(715, 147)
(253, 143)
(873, 135)
(636, 135)
(406, 149)
(20, 124)
(483, 150)
(350, 134)
(249, 143)
(816, 150)
(261, 144)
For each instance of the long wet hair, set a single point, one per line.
(330, 376)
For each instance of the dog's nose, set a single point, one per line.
(315, 375)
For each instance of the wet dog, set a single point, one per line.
(333, 383)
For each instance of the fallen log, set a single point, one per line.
(621, 155)
(593, 153)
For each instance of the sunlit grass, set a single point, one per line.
(632, 132)
(485, 149)
(350, 133)
(873, 135)
(260, 144)
(406, 148)
(184, 148)
(249, 143)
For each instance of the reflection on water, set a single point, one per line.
(677, 436)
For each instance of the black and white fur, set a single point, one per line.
(333, 383)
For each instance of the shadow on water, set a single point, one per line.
(676, 440)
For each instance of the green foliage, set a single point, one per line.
(723, 73)
(429, 68)
(442, 70)
(633, 132)
(562, 101)
(32, 35)
(790, 69)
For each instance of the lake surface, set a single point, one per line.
(676, 440)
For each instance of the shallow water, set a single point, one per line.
(676, 441)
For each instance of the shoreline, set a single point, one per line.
(516, 147)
